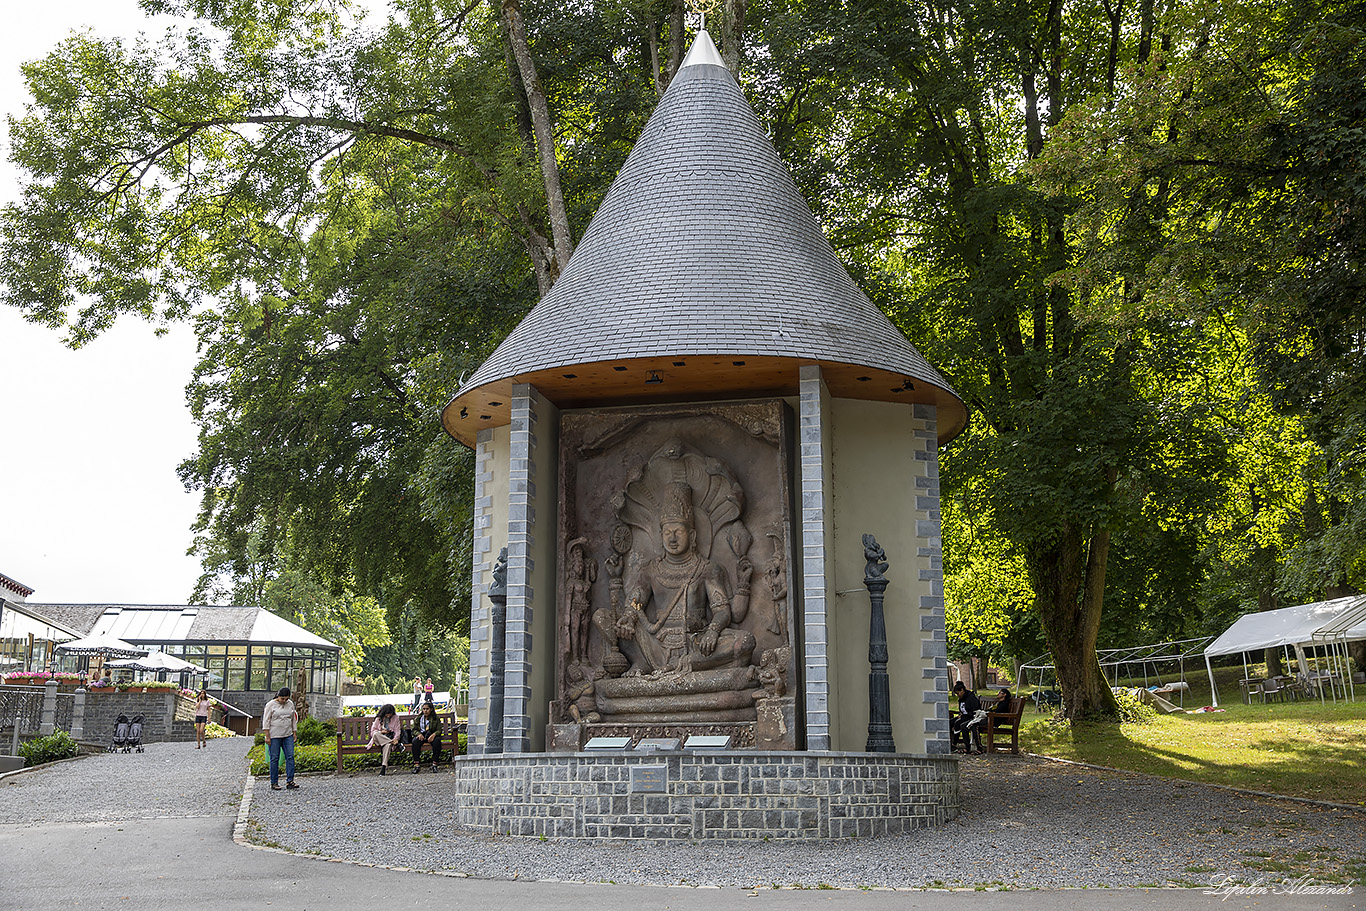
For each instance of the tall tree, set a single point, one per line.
(353, 217)
(928, 111)
(1223, 182)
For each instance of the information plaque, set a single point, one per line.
(649, 779)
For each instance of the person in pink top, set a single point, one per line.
(201, 719)
(384, 732)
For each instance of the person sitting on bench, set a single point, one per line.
(384, 733)
(426, 733)
(964, 726)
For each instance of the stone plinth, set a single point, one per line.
(685, 796)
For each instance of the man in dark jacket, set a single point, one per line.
(960, 726)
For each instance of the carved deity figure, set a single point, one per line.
(876, 560)
(583, 572)
(678, 612)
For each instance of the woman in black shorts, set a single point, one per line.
(201, 719)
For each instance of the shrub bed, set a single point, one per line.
(48, 749)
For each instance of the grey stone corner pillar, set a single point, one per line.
(78, 715)
(168, 723)
(48, 721)
(817, 517)
(529, 444)
(930, 554)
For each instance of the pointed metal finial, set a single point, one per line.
(701, 8)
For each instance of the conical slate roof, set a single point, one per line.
(705, 273)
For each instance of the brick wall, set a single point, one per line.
(727, 796)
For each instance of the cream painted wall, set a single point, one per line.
(496, 490)
(875, 471)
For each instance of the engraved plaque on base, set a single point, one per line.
(564, 738)
(655, 744)
(649, 779)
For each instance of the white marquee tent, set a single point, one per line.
(1323, 625)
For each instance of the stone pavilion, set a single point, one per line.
(679, 449)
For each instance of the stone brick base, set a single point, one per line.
(690, 796)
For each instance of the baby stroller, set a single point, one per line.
(120, 734)
(134, 735)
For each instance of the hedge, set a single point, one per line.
(321, 757)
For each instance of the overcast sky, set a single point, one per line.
(91, 509)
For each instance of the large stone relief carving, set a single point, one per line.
(667, 497)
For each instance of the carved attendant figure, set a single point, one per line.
(678, 616)
(583, 573)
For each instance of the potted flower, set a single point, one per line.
(27, 678)
(40, 678)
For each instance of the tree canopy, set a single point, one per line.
(1129, 232)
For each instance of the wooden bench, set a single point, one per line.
(353, 733)
(1000, 723)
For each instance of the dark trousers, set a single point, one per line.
(960, 730)
(434, 746)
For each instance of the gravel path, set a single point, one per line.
(1025, 823)
(1050, 826)
(169, 779)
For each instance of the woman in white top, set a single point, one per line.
(279, 722)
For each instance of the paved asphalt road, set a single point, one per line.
(133, 853)
(177, 864)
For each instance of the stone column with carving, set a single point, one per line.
(498, 597)
(879, 686)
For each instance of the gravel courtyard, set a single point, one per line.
(168, 780)
(1026, 823)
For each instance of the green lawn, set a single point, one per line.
(1302, 749)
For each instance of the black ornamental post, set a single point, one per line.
(879, 690)
(498, 594)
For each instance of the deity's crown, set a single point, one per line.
(677, 504)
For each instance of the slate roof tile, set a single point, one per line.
(704, 245)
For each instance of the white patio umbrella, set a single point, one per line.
(108, 646)
(159, 661)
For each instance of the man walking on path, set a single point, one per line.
(280, 720)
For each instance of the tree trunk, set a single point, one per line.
(1069, 583)
(545, 139)
(732, 33)
(1357, 650)
(677, 36)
